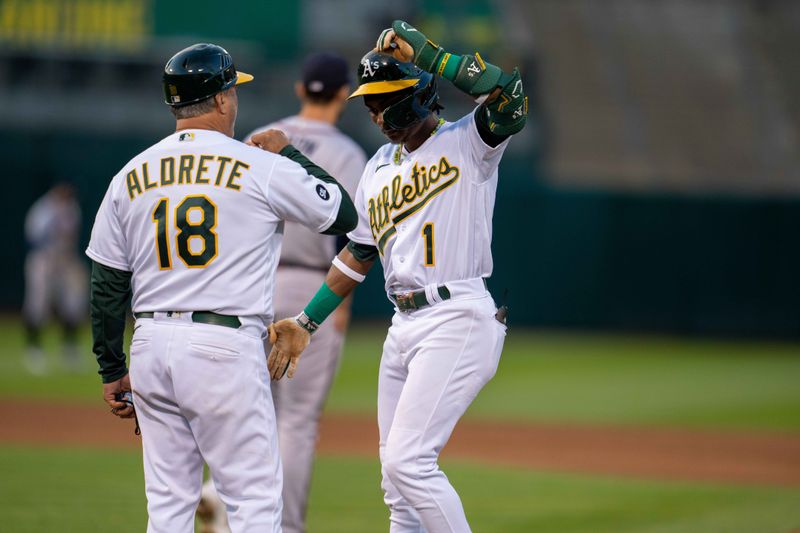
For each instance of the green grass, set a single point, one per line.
(579, 377)
(70, 490)
(603, 378)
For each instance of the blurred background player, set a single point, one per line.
(305, 259)
(55, 275)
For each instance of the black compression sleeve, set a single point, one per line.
(110, 299)
(347, 218)
(481, 121)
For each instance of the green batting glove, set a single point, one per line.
(427, 54)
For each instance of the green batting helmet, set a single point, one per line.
(199, 72)
(381, 73)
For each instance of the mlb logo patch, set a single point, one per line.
(186, 137)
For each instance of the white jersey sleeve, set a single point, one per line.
(108, 244)
(486, 157)
(299, 197)
(362, 234)
(340, 157)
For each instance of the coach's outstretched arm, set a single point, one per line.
(504, 106)
(276, 141)
(290, 336)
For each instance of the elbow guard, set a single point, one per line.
(506, 114)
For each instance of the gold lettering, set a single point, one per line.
(373, 224)
(397, 202)
(134, 187)
(75, 23)
(433, 174)
(235, 173)
(397, 195)
(185, 169)
(146, 178)
(223, 161)
(202, 168)
(167, 171)
(408, 193)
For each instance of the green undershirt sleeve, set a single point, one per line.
(362, 252)
(346, 219)
(110, 291)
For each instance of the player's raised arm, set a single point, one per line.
(276, 141)
(504, 106)
(290, 336)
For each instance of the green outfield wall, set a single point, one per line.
(573, 258)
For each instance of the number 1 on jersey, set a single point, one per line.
(162, 241)
(427, 235)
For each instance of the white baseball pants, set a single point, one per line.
(202, 394)
(299, 401)
(435, 361)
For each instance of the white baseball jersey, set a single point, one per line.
(342, 158)
(429, 212)
(197, 218)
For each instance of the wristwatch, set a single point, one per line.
(306, 323)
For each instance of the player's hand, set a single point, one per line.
(406, 43)
(271, 140)
(288, 341)
(390, 43)
(110, 390)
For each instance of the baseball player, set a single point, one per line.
(191, 230)
(425, 204)
(304, 261)
(55, 276)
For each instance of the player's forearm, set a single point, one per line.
(346, 218)
(504, 106)
(346, 273)
(110, 299)
(346, 263)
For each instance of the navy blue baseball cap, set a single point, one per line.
(325, 73)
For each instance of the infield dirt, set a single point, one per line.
(632, 451)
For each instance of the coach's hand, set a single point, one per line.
(271, 140)
(288, 341)
(110, 390)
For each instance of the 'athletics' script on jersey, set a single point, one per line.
(215, 170)
(410, 197)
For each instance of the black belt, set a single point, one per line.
(409, 301)
(203, 317)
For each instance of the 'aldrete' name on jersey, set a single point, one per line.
(216, 170)
(423, 186)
